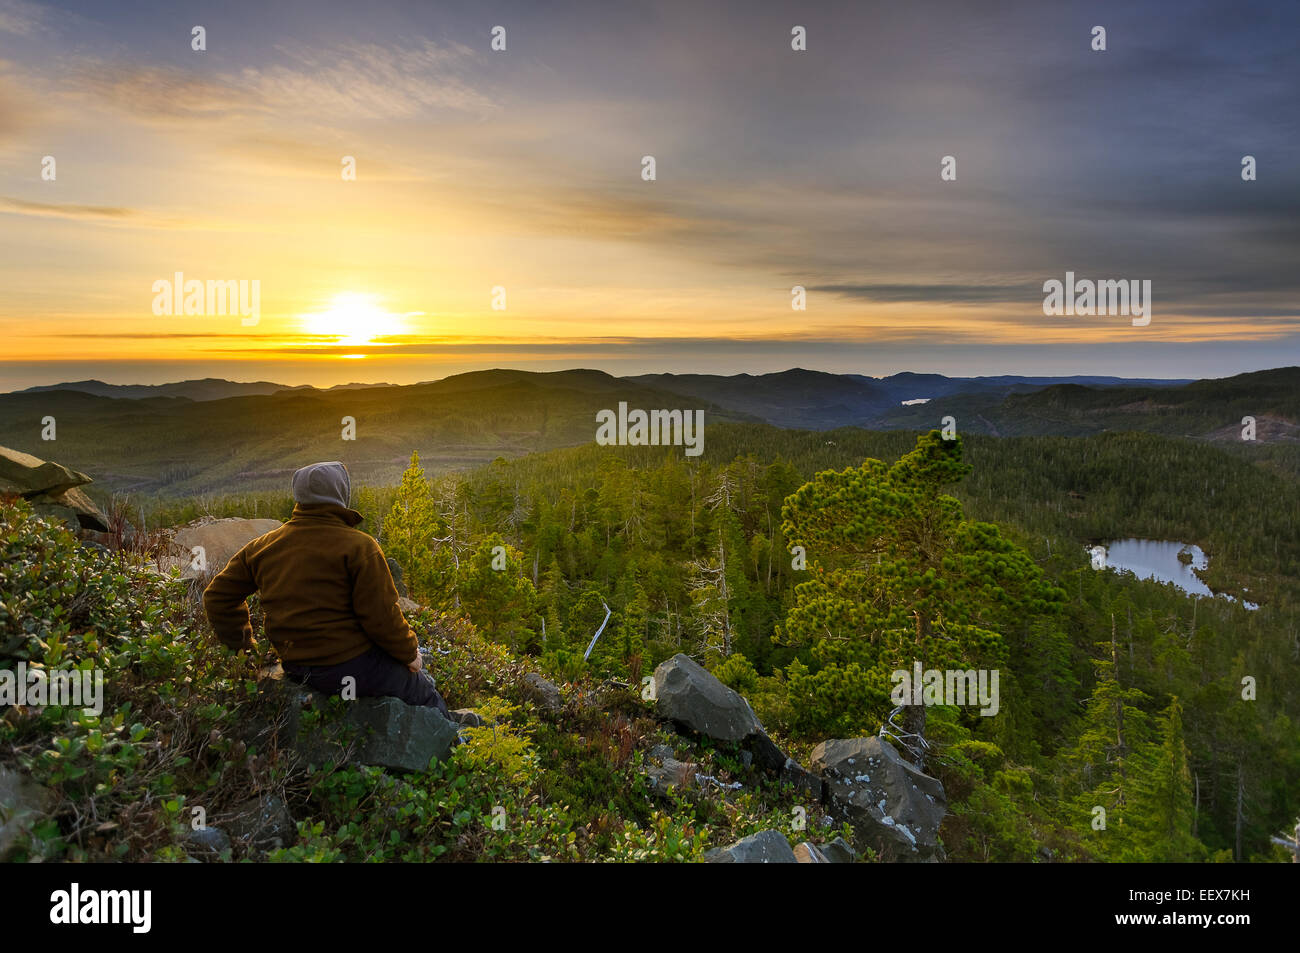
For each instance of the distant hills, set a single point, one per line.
(814, 400)
(209, 388)
(1208, 409)
(222, 436)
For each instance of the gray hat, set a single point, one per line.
(322, 483)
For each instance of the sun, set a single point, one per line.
(354, 319)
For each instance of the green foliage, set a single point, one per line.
(897, 574)
(694, 555)
(496, 597)
(737, 672)
(410, 530)
(499, 744)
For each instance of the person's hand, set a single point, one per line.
(418, 663)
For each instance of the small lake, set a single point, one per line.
(1163, 561)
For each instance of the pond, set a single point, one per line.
(1161, 560)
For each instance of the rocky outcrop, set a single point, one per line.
(51, 489)
(219, 539)
(765, 847)
(839, 851)
(385, 732)
(692, 697)
(893, 808)
(802, 780)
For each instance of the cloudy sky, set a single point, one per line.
(522, 169)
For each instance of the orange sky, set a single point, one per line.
(522, 170)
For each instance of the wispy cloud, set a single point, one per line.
(347, 82)
(53, 210)
(21, 18)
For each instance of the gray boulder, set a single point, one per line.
(384, 732)
(543, 692)
(804, 781)
(691, 696)
(51, 488)
(671, 774)
(206, 843)
(467, 718)
(263, 823)
(29, 476)
(401, 736)
(763, 751)
(765, 847)
(839, 851)
(661, 752)
(893, 808)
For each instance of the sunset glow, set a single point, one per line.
(354, 319)
(382, 176)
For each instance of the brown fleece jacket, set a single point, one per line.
(326, 590)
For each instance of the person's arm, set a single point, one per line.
(224, 601)
(374, 600)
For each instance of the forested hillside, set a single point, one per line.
(1116, 693)
(158, 442)
(1209, 409)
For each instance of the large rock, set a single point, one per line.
(263, 823)
(794, 774)
(691, 696)
(671, 774)
(74, 508)
(23, 803)
(206, 843)
(51, 488)
(545, 693)
(765, 847)
(893, 808)
(839, 851)
(401, 736)
(385, 732)
(220, 540)
(29, 476)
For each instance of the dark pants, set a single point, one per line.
(376, 673)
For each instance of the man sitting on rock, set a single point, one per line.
(328, 596)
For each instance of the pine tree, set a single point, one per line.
(410, 529)
(495, 594)
(898, 575)
(1161, 816)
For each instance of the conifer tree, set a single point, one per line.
(410, 529)
(899, 575)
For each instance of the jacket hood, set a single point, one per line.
(349, 516)
(323, 483)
